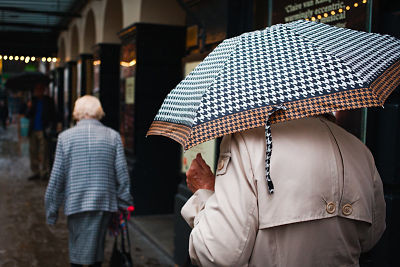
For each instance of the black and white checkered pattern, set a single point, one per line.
(368, 55)
(282, 63)
(286, 63)
(182, 103)
(89, 172)
(268, 155)
(271, 67)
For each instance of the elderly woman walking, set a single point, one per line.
(90, 176)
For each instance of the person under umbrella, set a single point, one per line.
(90, 177)
(291, 188)
(328, 210)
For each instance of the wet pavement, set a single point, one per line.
(25, 238)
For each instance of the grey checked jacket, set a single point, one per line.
(89, 172)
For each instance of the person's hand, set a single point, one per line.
(29, 104)
(199, 175)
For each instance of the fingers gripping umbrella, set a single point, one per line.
(284, 72)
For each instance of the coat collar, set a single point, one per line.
(89, 121)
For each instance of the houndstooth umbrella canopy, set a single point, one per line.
(307, 67)
(285, 72)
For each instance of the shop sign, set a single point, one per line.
(342, 13)
(130, 90)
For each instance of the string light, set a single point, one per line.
(27, 59)
(334, 12)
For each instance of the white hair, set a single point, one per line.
(88, 107)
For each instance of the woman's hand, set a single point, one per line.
(199, 175)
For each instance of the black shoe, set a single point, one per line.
(34, 177)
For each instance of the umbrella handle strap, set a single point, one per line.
(268, 138)
(268, 149)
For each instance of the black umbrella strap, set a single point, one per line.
(268, 137)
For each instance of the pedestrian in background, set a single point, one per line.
(3, 113)
(327, 208)
(90, 176)
(41, 114)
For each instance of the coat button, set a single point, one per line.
(330, 207)
(347, 209)
(220, 165)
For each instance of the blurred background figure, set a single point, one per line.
(3, 113)
(41, 114)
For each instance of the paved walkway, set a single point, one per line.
(25, 239)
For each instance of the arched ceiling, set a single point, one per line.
(112, 21)
(89, 34)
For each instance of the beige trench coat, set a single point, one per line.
(327, 208)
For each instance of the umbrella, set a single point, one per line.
(26, 81)
(284, 72)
